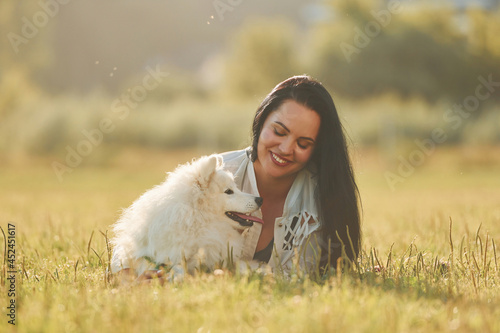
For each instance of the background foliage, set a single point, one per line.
(422, 59)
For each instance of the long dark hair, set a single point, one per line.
(337, 194)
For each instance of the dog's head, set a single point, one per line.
(220, 195)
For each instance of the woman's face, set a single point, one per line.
(287, 140)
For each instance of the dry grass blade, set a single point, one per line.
(76, 268)
(90, 241)
(4, 265)
(108, 249)
(495, 254)
(389, 257)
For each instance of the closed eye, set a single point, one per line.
(304, 144)
(229, 191)
(278, 133)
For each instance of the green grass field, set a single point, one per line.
(429, 277)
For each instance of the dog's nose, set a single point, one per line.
(259, 201)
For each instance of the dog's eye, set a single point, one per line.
(229, 191)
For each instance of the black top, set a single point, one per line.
(265, 254)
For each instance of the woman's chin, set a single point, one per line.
(280, 171)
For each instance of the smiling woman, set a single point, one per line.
(299, 164)
(299, 168)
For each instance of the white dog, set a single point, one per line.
(196, 215)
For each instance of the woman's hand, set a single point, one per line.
(151, 275)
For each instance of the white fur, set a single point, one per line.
(184, 217)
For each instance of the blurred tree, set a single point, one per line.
(483, 36)
(22, 52)
(261, 55)
(26, 26)
(371, 48)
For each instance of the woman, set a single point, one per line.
(299, 164)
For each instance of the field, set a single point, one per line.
(430, 259)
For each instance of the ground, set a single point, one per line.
(429, 259)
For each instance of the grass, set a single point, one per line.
(430, 260)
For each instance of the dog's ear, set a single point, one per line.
(208, 166)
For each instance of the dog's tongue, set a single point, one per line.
(248, 217)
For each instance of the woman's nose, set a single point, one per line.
(286, 146)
